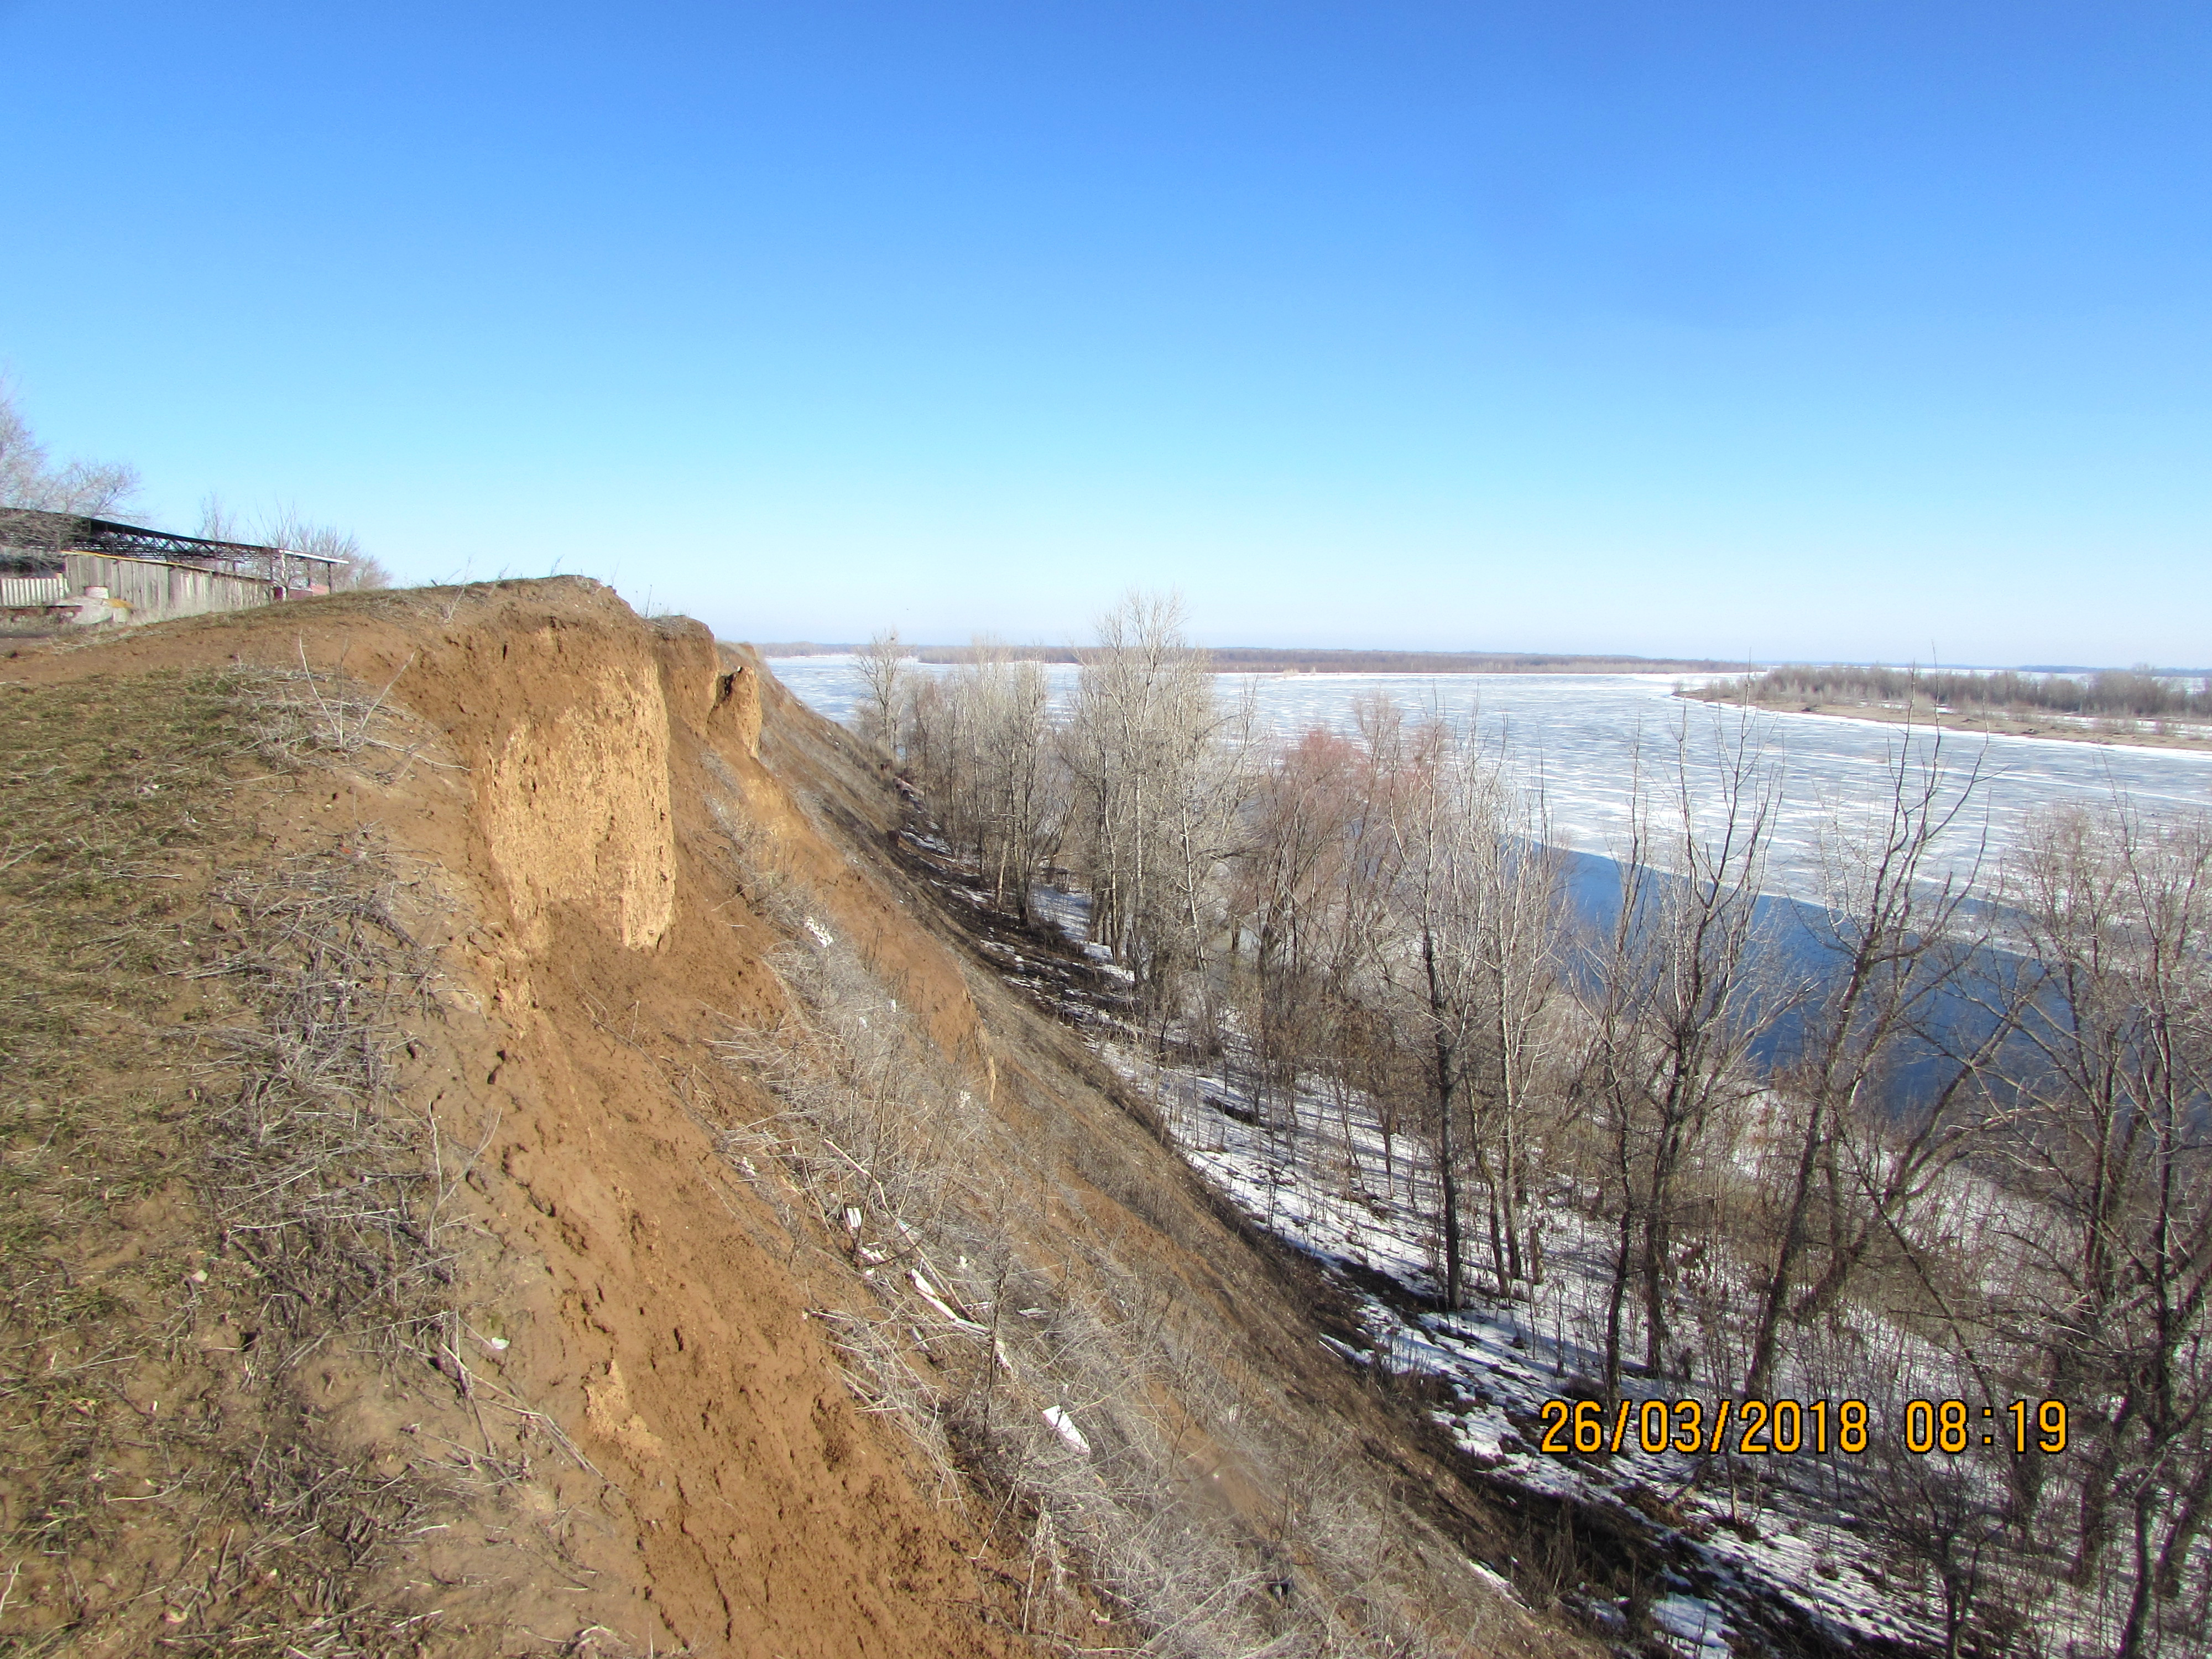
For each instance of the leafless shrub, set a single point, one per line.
(307, 715)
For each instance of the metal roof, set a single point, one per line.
(26, 530)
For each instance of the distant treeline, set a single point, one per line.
(1261, 659)
(1268, 660)
(2116, 693)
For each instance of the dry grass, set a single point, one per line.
(205, 1180)
(105, 787)
(319, 1184)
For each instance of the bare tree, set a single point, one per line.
(2116, 917)
(1142, 748)
(1678, 1003)
(1940, 1517)
(1290, 882)
(287, 528)
(1520, 933)
(1459, 930)
(28, 479)
(218, 523)
(1424, 963)
(1017, 807)
(1888, 962)
(979, 742)
(885, 673)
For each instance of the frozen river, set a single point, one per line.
(1579, 735)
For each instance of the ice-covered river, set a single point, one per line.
(1580, 736)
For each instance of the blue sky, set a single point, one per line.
(1858, 331)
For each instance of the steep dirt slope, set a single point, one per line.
(620, 1420)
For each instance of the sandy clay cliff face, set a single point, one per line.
(629, 1416)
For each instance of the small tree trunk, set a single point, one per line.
(1447, 1149)
(1766, 1335)
(1616, 1306)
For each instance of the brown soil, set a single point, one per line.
(627, 1428)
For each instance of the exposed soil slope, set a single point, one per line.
(521, 864)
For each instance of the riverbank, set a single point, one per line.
(2034, 723)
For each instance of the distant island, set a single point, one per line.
(2152, 707)
(1296, 659)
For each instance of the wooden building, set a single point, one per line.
(64, 568)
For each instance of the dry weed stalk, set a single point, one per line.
(317, 1181)
(306, 715)
(1034, 1358)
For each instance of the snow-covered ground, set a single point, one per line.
(1748, 1535)
(1578, 736)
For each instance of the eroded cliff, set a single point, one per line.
(592, 941)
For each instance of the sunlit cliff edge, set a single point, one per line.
(435, 1020)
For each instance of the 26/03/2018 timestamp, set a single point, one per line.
(1760, 1428)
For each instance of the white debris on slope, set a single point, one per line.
(1064, 1426)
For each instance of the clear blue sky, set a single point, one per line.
(1837, 330)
